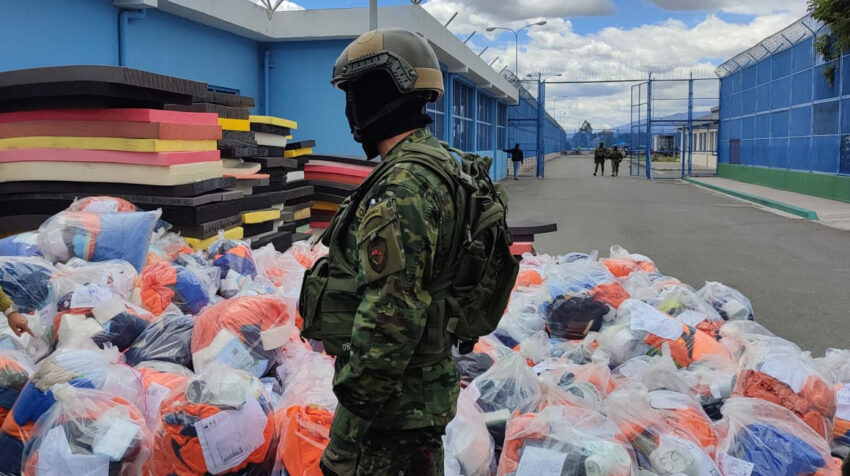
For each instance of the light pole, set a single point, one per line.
(516, 40)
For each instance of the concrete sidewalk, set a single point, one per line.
(828, 212)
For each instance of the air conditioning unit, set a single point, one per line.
(136, 4)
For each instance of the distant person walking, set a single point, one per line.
(516, 157)
(599, 156)
(615, 156)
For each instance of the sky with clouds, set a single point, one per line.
(608, 39)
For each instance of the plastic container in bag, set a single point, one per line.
(220, 422)
(15, 370)
(98, 236)
(236, 262)
(245, 332)
(777, 371)
(22, 244)
(564, 440)
(88, 432)
(190, 288)
(167, 339)
(729, 302)
(87, 367)
(669, 431)
(26, 281)
(770, 440)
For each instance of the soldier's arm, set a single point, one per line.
(396, 244)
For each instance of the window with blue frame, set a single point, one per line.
(462, 112)
(501, 123)
(437, 112)
(485, 123)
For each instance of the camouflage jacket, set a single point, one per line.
(615, 155)
(395, 370)
(600, 154)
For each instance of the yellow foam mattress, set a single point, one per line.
(326, 206)
(236, 233)
(275, 121)
(297, 152)
(234, 124)
(302, 214)
(260, 216)
(107, 172)
(106, 143)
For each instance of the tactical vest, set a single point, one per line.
(330, 295)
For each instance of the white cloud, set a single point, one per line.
(746, 7)
(669, 48)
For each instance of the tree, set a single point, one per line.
(586, 127)
(834, 14)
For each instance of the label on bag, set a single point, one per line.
(732, 466)
(230, 436)
(537, 461)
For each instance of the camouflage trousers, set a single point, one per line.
(417, 452)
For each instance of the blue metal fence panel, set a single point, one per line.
(825, 154)
(801, 121)
(825, 118)
(779, 124)
(763, 98)
(764, 67)
(845, 119)
(763, 152)
(783, 64)
(803, 55)
(779, 150)
(748, 156)
(801, 87)
(735, 106)
(748, 101)
(723, 152)
(748, 127)
(822, 89)
(750, 77)
(781, 94)
(800, 157)
(845, 75)
(762, 126)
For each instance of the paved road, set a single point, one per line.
(796, 272)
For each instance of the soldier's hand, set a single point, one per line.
(337, 462)
(19, 324)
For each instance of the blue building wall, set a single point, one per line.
(782, 114)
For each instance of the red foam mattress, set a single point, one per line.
(108, 156)
(125, 114)
(121, 129)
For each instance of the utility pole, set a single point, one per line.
(373, 15)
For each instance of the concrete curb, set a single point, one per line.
(800, 212)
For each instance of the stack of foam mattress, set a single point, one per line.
(333, 177)
(271, 216)
(75, 131)
(523, 231)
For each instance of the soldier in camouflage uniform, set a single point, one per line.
(599, 156)
(615, 156)
(371, 302)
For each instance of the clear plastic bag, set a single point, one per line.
(471, 365)
(98, 236)
(521, 319)
(236, 263)
(88, 432)
(220, 421)
(26, 281)
(729, 302)
(509, 386)
(654, 328)
(564, 440)
(669, 431)
(305, 411)
(15, 370)
(117, 276)
(166, 246)
(577, 278)
(116, 322)
(101, 204)
(160, 379)
(190, 287)
(770, 438)
(621, 263)
(836, 365)
(307, 253)
(282, 270)
(22, 244)
(167, 339)
(86, 367)
(712, 381)
(469, 448)
(680, 302)
(777, 371)
(737, 335)
(246, 333)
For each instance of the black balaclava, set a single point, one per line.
(376, 110)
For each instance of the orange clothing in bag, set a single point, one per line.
(815, 404)
(612, 294)
(691, 346)
(303, 438)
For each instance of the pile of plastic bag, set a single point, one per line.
(151, 358)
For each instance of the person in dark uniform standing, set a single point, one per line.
(516, 157)
(599, 156)
(615, 157)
